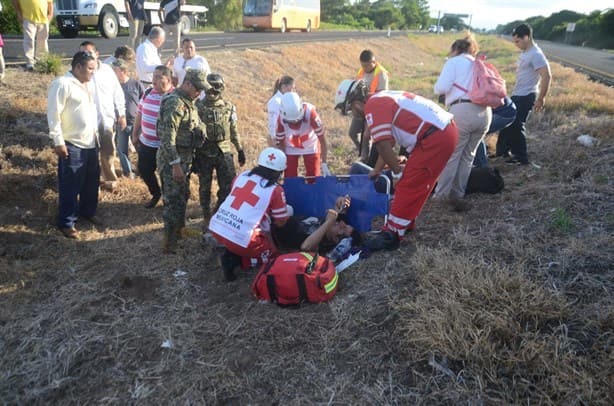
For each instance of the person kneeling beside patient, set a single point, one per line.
(255, 215)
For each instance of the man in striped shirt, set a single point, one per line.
(144, 131)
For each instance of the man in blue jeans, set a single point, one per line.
(72, 119)
(533, 79)
(502, 117)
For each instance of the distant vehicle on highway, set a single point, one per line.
(438, 29)
(107, 16)
(282, 15)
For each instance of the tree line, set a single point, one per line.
(593, 30)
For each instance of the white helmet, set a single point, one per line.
(272, 158)
(347, 92)
(291, 107)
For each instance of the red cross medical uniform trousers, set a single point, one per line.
(424, 165)
(259, 251)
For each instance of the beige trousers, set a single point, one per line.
(136, 33)
(107, 155)
(35, 38)
(173, 37)
(472, 122)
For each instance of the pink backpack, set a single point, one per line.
(487, 86)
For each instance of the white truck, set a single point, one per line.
(107, 16)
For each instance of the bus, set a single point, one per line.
(282, 15)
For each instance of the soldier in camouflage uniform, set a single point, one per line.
(220, 117)
(181, 132)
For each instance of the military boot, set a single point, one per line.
(169, 240)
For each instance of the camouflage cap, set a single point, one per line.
(197, 78)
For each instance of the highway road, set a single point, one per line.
(596, 63)
(13, 51)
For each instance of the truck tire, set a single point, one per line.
(283, 27)
(307, 27)
(185, 24)
(69, 32)
(109, 26)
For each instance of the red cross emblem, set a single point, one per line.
(272, 157)
(244, 195)
(297, 140)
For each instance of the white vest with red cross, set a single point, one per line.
(303, 139)
(242, 211)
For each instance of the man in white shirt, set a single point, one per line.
(533, 79)
(111, 105)
(71, 115)
(147, 57)
(188, 60)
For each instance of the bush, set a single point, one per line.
(49, 63)
(8, 19)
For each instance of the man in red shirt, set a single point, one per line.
(415, 123)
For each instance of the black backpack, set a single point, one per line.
(485, 180)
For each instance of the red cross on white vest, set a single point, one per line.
(244, 195)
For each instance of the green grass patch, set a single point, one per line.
(561, 220)
(49, 64)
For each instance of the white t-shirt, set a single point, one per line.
(273, 106)
(181, 64)
(527, 78)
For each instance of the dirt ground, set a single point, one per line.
(510, 302)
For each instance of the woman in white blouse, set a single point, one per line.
(455, 82)
(282, 85)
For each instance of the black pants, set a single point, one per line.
(147, 168)
(513, 138)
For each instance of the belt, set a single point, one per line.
(460, 101)
(428, 132)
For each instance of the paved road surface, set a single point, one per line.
(587, 59)
(13, 51)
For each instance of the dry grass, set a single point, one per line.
(510, 303)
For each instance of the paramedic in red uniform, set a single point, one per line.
(243, 222)
(419, 125)
(300, 133)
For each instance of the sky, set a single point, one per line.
(490, 13)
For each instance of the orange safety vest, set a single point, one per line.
(376, 73)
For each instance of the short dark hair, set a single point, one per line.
(81, 58)
(124, 52)
(87, 44)
(183, 41)
(366, 55)
(165, 71)
(522, 31)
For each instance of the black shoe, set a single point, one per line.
(153, 202)
(229, 262)
(382, 240)
(93, 220)
(516, 161)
